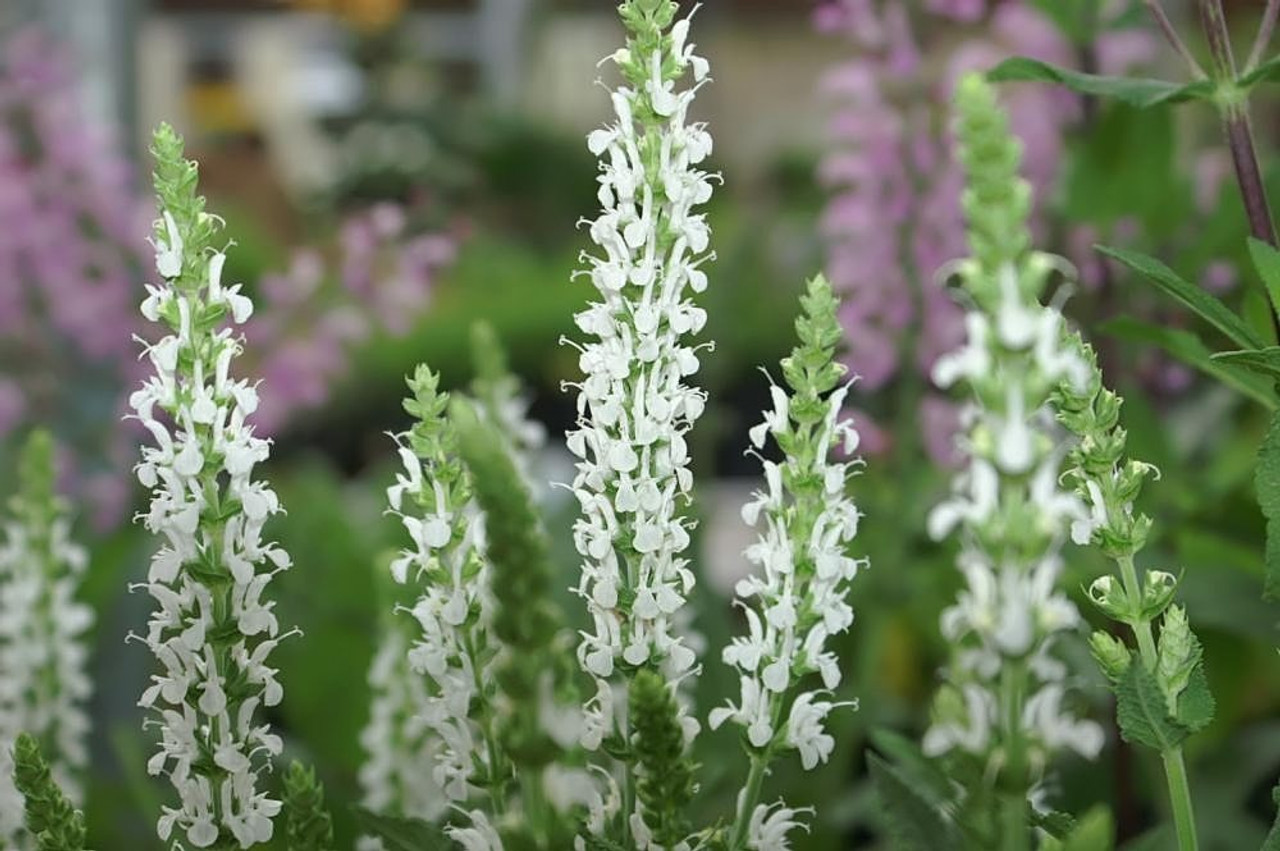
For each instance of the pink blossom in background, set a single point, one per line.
(894, 219)
(307, 324)
(72, 243)
(74, 256)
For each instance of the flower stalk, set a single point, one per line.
(43, 656)
(1002, 709)
(1171, 667)
(796, 602)
(634, 407)
(212, 631)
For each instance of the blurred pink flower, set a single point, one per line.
(894, 216)
(74, 256)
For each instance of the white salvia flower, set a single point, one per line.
(1010, 610)
(770, 824)
(452, 652)
(480, 836)
(795, 600)
(43, 682)
(634, 404)
(211, 628)
(421, 742)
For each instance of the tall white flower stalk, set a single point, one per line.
(43, 682)
(408, 762)
(1004, 699)
(795, 601)
(634, 405)
(212, 630)
(452, 648)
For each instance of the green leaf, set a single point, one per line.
(1196, 705)
(1141, 711)
(1266, 483)
(1126, 167)
(1191, 350)
(914, 823)
(1264, 361)
(1197, 300)
(1266, 260)
(1137, 91)
(1058, 825)
(402, 834)
(1094, 831)
(1266, 72)
(923, 773)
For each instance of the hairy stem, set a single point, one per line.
(1171, 35)
(1265, 30)
(1239, 130)
(1184, 818)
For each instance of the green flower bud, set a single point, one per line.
(666, 773)
(308, 825)
(1158, 588)
(1109, 596)
(1179, 654)
(50, 817)
(1112, 654)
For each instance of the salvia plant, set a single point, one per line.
(212, 630)
(499, 719)
(1003, 712)
(43, 679)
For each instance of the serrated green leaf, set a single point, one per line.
(1266, 72)
(1057, 824)
(1266, 482)
(1188, 348)
(1266, 261)
(1197, 300)
(1136, 91)
(913, 822)
(1196, 705)
(402, 834)
(1142, 714)
(1094, 831)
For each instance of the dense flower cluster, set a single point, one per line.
(796, 600)
(1007, 505)
(43, 682)
(212, 630)
(634, 405)
(894, 217)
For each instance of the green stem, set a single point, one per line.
(1141, 628)
(1015, 834)
(1175, 770)
(750, 797)
(496, 793)
(1184, 818)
